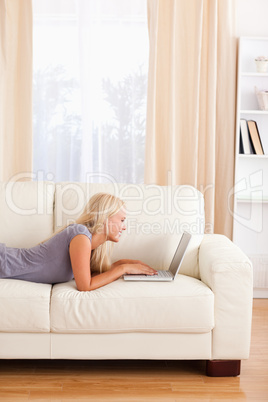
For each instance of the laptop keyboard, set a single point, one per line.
(162, 274)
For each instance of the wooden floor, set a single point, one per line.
(139, 380)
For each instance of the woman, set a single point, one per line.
(78, 251)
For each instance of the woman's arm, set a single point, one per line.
(120, 262)
(80, 252)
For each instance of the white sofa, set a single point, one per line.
(205, 314)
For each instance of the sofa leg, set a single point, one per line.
(223, 368)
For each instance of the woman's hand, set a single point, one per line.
(138, 268)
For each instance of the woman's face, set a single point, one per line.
(116, 224)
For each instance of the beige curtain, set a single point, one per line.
(15, 88)
(191, 101)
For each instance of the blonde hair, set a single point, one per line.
(100, 207)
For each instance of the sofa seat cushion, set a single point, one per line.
(24, 306)
(185, 305)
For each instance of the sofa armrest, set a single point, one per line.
(228, 272)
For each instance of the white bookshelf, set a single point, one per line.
(250, 229)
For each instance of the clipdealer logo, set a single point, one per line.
(68, 199)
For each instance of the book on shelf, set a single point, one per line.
(250, 141)
(255, 137)
(245, 144)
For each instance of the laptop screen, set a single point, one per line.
(179, 254)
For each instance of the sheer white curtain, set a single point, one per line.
(90, 85)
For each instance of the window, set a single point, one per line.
(89, 89)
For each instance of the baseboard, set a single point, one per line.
(260, 293)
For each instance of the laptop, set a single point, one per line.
(166, 276)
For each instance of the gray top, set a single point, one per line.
(48, 262)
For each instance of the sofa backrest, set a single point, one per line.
(156, 218)
(26, 212)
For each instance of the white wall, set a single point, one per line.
(251, 17)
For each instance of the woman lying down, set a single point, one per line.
(77, 251)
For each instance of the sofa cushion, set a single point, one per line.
(26, 212)
(185, 305)
(24, 306)
(156, 218)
